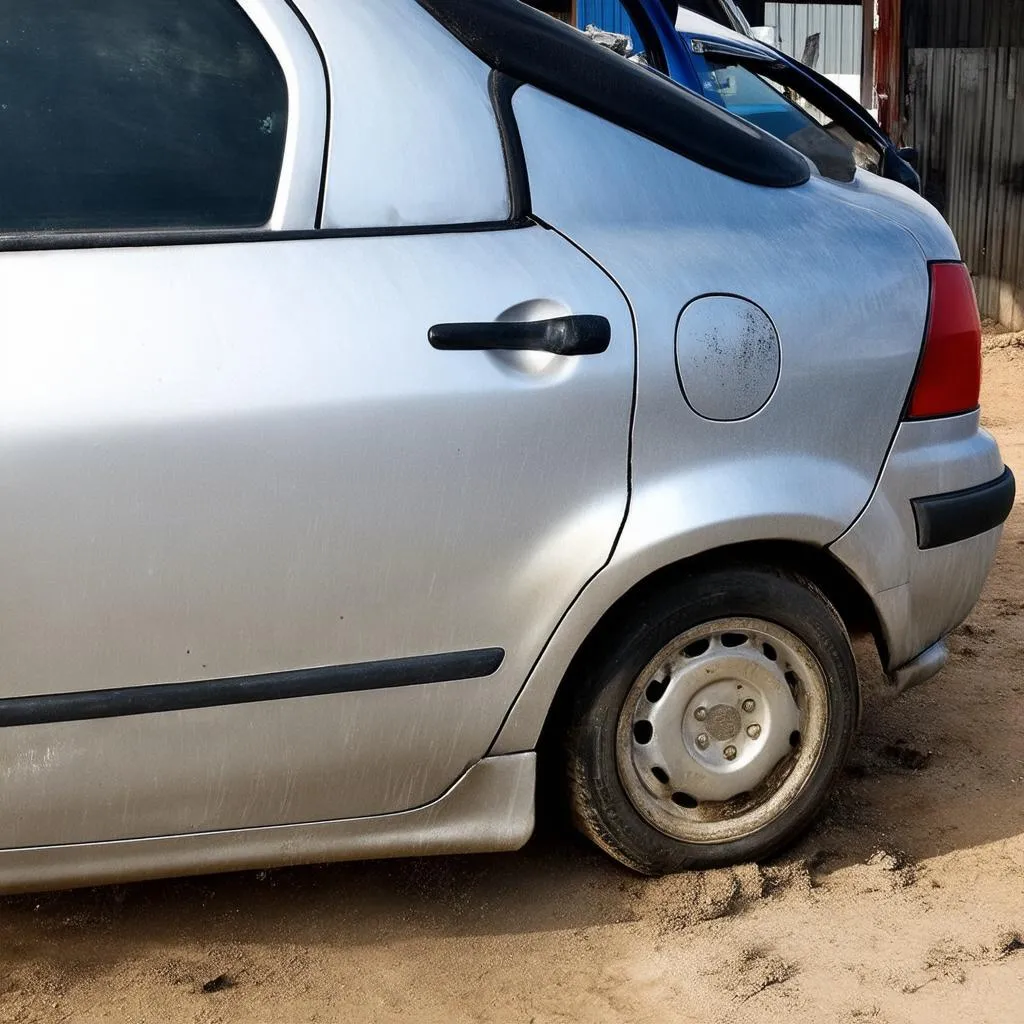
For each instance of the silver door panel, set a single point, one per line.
(805, 465)
(227, 460)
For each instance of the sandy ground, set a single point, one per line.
(905, 904)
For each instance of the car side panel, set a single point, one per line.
(847, 292)
(922, 595)
(228, 460)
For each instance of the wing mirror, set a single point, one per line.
(614, 41)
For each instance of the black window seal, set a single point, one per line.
(542, 52)
(40, 241)
(502, 88)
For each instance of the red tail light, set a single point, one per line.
(949, 377)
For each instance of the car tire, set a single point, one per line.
(656, 749)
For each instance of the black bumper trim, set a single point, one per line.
(959, 515)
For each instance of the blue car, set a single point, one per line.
(719, 58)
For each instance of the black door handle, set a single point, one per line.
(561, 336)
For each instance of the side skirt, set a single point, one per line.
(490, 808)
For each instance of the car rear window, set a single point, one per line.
(134, 114)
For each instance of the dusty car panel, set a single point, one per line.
(236, 499)
(820, 469)
(305, 529)
(923, 594)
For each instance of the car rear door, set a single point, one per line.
(293, 497)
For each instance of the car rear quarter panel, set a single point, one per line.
(847, 290)
(921, 595)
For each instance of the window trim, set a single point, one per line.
(299, 196)
(299, 204)
(45, 241)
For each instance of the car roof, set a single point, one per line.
(697, 24)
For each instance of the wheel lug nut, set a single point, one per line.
(730, 753)
(748, 705)
(700, 714)
(703, 741)
(753, 731)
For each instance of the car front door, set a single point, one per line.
(294, 494)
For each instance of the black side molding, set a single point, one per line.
(539, 50)
(209, 693)
(959, 515)
(561, 336)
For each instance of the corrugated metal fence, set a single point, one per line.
(966, 117)
(840, 26)
(963, 23)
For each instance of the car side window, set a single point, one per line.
(137, 114)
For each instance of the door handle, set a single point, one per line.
(561, 336)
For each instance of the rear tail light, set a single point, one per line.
(949, 376)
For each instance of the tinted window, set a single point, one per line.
(136, 114)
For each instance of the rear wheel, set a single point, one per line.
(714, 728)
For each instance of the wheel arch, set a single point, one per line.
(817, 564)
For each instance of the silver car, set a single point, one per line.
(385, 385)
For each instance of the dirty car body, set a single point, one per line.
(318, 489)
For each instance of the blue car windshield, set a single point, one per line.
(765, 104)
(753, 99)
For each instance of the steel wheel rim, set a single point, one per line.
(722, 730)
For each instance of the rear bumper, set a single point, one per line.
(927, 664)
(923, 546)
(950, 518)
